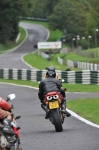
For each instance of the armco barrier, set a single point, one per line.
(81, 77)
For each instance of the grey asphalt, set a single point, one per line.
(77, 95)
(36, 132)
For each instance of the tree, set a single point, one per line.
(10, 12)
(65, 16)
(38, 9)
(49, 5)
(43, 8)
(26, 7)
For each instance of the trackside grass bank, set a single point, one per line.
(87, 108)
(38, 62)
(70, 87)
(41, 63)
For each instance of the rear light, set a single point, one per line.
(52, 97)
(55, 97)
(49, 98)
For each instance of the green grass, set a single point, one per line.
(70, 87)
(22, 36)
(81, 87)
(20, 82)
(94, 50)
(9, 45)
(87, 108)
(72, 56)
(41, 63)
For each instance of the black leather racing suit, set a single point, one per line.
(48, 85)
(51, 84)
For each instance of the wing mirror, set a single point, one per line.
(11, 97)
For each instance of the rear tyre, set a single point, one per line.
(57, 120)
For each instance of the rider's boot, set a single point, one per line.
(63, 105)
(47, 115)
(43, 107)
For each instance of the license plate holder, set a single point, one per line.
(53, 105)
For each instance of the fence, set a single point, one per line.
(81, 77)
(82, 65)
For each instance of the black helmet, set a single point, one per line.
(51, 68)
(51, 72)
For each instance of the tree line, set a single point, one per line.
(10, 13)
(73, 17)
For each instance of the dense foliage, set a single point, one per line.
(75, 17)
(10, 12)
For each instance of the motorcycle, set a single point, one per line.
(54, 111)
(4, 144)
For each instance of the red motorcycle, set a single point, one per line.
(54, 111)
(4, 144)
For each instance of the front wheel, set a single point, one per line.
(57, 120)
(16, 146)
(19, 147)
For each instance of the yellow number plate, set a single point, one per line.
(53, 105)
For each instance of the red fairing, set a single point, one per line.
(16, 131)
(4, 105)
(51, 94)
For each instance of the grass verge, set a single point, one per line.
(41, 63)
(70, 87)
(74, 57)
(87, 108)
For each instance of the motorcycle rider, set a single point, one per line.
(49, 84)
(6, 118)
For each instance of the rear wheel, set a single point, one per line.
(57, 120)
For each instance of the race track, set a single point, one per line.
(13, 59)
(36, 132)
